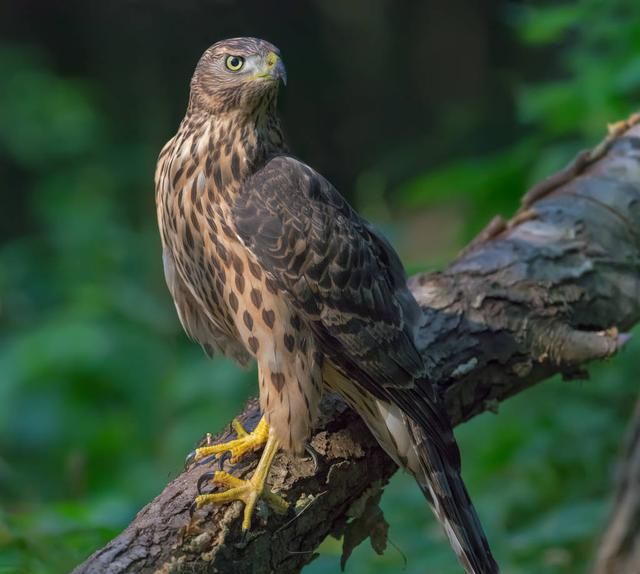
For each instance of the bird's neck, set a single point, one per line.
(216, 154)
(231, 146)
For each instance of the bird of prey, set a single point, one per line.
(265, 260)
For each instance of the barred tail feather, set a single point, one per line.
(440, 480)
(432, 456)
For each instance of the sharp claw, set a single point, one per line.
(206, 477)
(315, 456)
(191, 457)
(191, 460)
(192, 509)
(243, 536)
(225, 456)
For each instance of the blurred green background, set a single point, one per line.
(431, 117)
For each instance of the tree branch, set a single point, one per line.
(543, 293)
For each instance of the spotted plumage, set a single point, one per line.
(266, 260)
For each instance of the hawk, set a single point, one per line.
(265, 260)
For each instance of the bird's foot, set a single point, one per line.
(235, 449)
(248, 491)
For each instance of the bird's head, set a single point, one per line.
(238, 75)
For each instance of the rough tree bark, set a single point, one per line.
(544, 293)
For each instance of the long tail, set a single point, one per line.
(440, 480)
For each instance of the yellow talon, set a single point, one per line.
(248, 491)
(240, 430)
(238, 447)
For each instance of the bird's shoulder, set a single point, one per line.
(340, 272)
(286, 179)
(288, 210)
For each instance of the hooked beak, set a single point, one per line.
(274, 68)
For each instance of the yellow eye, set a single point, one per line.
(234, 63)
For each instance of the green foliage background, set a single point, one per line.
(101, 395)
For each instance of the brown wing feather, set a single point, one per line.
(337, 271)
(346, 280)
(350, 287)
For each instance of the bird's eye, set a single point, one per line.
(234, 63)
